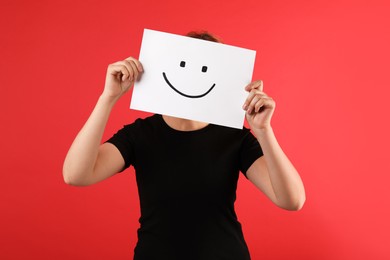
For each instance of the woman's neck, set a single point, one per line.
(181, 124)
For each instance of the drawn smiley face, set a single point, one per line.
(183, 64)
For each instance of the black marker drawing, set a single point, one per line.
(183, 64)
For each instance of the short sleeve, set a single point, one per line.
(124, 141)
(250, 151)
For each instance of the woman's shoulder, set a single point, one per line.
(143, 124)
(152, 119)
(231, 130)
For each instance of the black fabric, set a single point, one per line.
(187, 188)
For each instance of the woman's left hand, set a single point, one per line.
(259, 106)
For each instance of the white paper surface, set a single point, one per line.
(193, 79)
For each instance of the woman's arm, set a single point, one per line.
(88, 161)
(272, 173)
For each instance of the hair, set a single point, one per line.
(204, 35)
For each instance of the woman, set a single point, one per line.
(186, 171)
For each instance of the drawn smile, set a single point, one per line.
(183, 94)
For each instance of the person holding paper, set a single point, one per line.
(186, 170)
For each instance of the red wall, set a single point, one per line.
(326, 63)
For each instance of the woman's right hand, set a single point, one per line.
(121, 76)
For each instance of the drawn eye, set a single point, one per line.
(204, 68)
(182, 64)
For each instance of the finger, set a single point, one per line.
(137, 63)
(259, 92)
(250, 97)
(129, 68)
(134, 70)
(264, 102)
(258, 84)
(257, 102)
(251, 105)
(248, 100)
(118, 70)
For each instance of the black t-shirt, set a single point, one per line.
(187, 188)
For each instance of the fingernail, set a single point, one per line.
(245, 106)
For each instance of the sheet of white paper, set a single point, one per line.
(193, 79)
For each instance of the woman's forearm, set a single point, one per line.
(286, 182)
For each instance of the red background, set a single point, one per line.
(326, 63)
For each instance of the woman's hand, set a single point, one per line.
(259, 106)
(121, 76)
